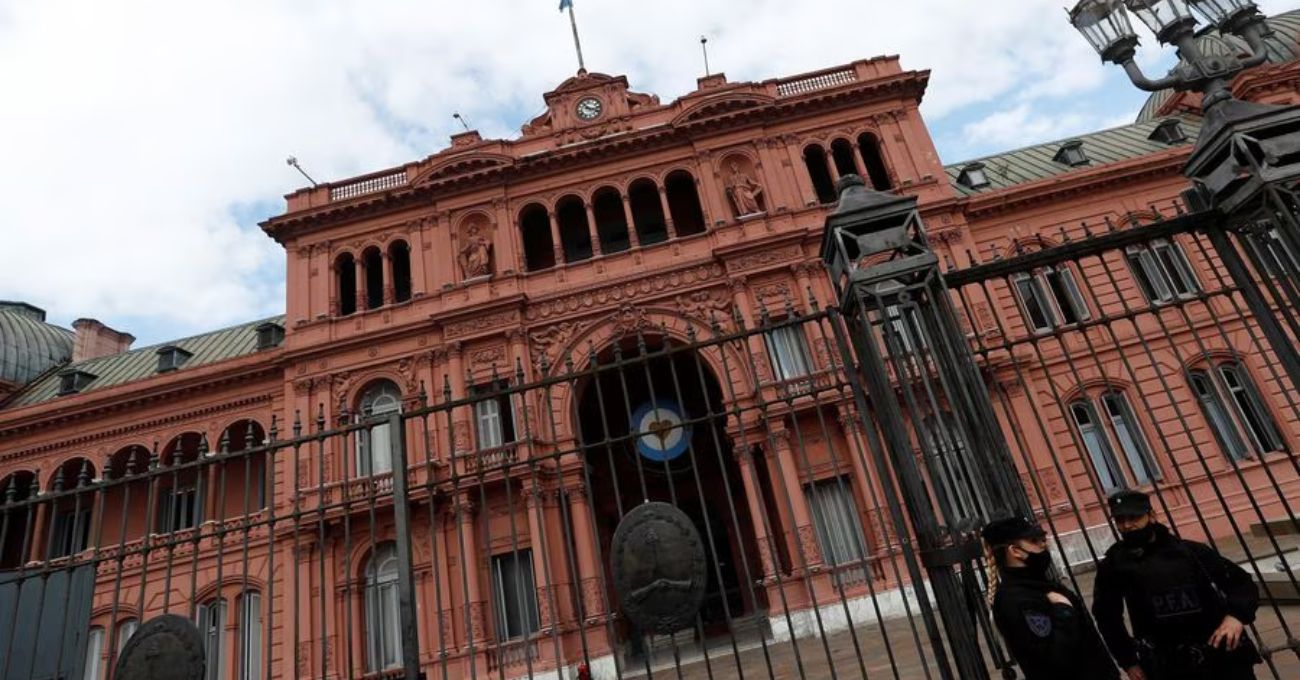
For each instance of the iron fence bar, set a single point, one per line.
(296, 445)
(873, 380)
(405, 570)
(269, 500)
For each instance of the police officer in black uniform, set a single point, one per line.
(1188, 605)
(1046, 625)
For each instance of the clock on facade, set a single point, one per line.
(589, 108)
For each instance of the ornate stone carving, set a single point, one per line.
(745, 192)
(475, 256)
(629, 319)
(487, 357)
(702, 304)
(549, 341)
(630, 290)
(765, 257)
(774, 294)
(461, 329)
(406, 368)
(808, 540)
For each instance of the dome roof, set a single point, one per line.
(28, 345)
(1283, 46)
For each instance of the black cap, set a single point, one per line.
(1011, 529)
(1129, 503)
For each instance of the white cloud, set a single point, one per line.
(131, 130)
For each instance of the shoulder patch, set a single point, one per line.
(1039, 624)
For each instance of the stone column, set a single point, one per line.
(823, 356)
(631, 224)
(543, 567)
(785, 473)
(556, 242)
(668, 214)
(592, 232)
(754, 498)
(360, 284)
(591, 585)
(857, 453)
(390, 290)
(475, 621)
(459, 390)
(415, 240)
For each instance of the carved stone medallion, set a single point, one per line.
(659, 568)
(168, 647)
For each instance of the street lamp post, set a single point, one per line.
(1246, 163)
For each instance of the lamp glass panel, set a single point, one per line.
(1103, 23)
(1218, 11)
(1159, 15)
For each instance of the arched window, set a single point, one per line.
(684, 203)
(126, 503)
(373, 264)
(93, 669)
(611, 220)
(874, 162)
(245, 475)
(535, 228)
(814, 158)
(1050, 298)
(70, 533)
(574, 233)
(1107, 425)
(383, 639)
(842, 156)
(345, 273)
(399, 254)
(179, 490)
(125, 630)
(16, 521)
(375, 443)
(1235, 411)
(211, 621)
(647, 212)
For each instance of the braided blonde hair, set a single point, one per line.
(992, 574)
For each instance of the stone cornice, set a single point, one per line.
(906, 85)
(141, 393)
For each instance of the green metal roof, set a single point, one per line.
(1034, 163)
(28, 345)
(138, 364)
(1282, 46)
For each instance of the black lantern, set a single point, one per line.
(1168, 19)
(1106, 26)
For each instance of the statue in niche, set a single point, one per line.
(475, 255)
(745, 191)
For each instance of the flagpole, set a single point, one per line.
(577, 44)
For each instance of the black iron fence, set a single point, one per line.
(835, 470)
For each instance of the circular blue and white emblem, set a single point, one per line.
(660, 433)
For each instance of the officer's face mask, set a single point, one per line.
(1136, 538)
(1036, 562)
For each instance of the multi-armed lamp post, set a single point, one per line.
(1245, 169)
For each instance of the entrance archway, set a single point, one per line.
(652, 427)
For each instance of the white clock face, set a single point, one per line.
(589, 108)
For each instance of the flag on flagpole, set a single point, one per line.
(565, 4)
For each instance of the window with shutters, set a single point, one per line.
(514, 599)
(787, 348)
(1162, 271)
(835, 519)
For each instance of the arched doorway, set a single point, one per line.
(652, 426)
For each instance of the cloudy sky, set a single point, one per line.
(142, 140)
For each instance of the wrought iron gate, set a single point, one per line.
(835, 462)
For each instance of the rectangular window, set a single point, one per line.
(178, 509)
(1065, 292)
(250, 636)
(1250, 409)
(1098, 447)
(1279, 257)
(1130, 438)
(514, 599)
(94, 649)
(835, 518)
(905, 328)
(1162, 271)
(494, 415)
(374, 450)
(1034, 302)
(71, 532)
(211, 620)
(1217, 416)
(788, 350)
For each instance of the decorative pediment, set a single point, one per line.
(722, 105)
(463, 165)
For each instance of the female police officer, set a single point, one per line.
(1046, 626)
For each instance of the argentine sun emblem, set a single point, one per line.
(662, 434)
